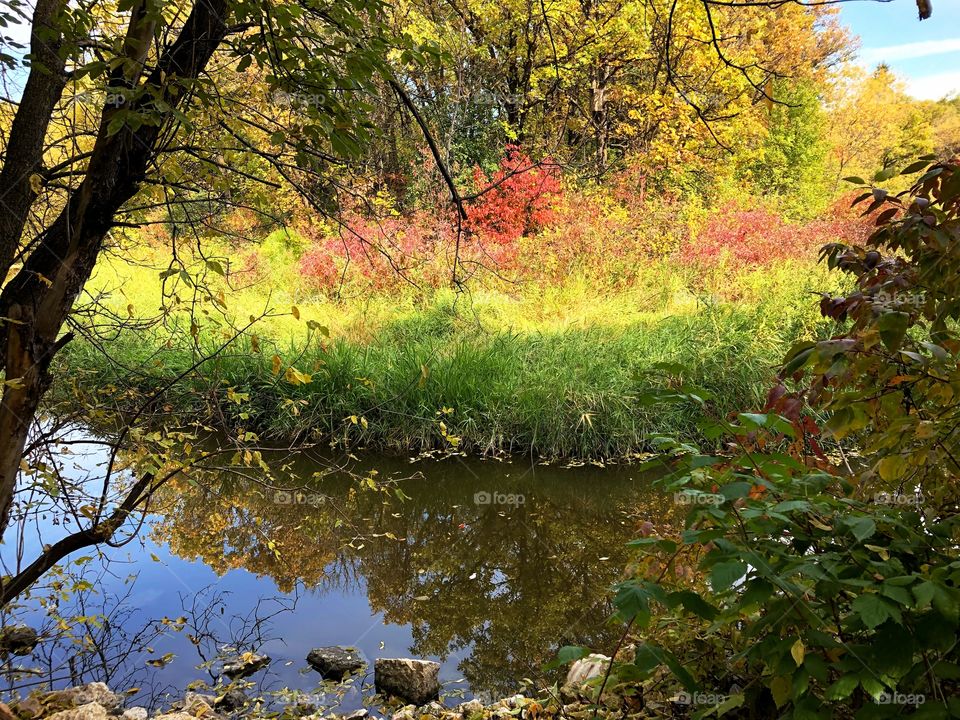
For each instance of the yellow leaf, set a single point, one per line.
(276, 364)
(891, 467)
(296, 377)
(798, 652)
(296, 312)
(780, 689)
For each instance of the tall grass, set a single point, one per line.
(557, 374)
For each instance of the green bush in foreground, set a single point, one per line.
(797, 589)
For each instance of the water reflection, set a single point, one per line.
(496, 564)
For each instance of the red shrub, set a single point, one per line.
(317, 266)
(519, 203)
(757, 236)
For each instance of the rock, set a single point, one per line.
(174, 716)
(415, 681)
(134, 713)
(335, 663)
(87, 711)
(6, 713)
(470, 709)
(244, 665)
(405, 713)
(302, 709)
(232, 700)
(29, 707)
(586, 669)
(95, 692)
(198, 704)
(357, 715)
(433, 709)
(18, 640)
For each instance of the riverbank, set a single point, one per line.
(577, 698)
(476, 375)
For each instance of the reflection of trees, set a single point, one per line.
(510, 583)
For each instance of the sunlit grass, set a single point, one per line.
(549, 371)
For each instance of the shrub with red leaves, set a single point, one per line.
(520, 202)
(319, 269)
(754, 237)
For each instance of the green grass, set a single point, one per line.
(551, 371)
(556, 374)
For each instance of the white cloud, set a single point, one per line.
(934, 87)
(909, 51)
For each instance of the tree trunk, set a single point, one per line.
(24, 151)
(39, 298)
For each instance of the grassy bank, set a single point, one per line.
(555, 373)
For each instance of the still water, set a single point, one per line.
(485, 566)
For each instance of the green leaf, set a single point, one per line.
(872, 609)
(945, 601)
(862, 528)
(914, 167)
(843, 687)
(216, 267)
(924, 593)
(893, 328)
(648, 657)
(694, 603)
(566, 655)
(724, 574)
(632, 603)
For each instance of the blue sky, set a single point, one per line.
(926, 54)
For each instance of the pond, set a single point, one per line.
(485, 566)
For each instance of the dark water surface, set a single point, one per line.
(485, 566)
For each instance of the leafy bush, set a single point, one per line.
(517, 200)
(799, 587)
(739, 237)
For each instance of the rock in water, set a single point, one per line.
(414, 681)
(246, 664)
(586, 669)
(18, 640)
(231, 701)
(95, 692)
(134, 713)
(89, 711)
(335, 663)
